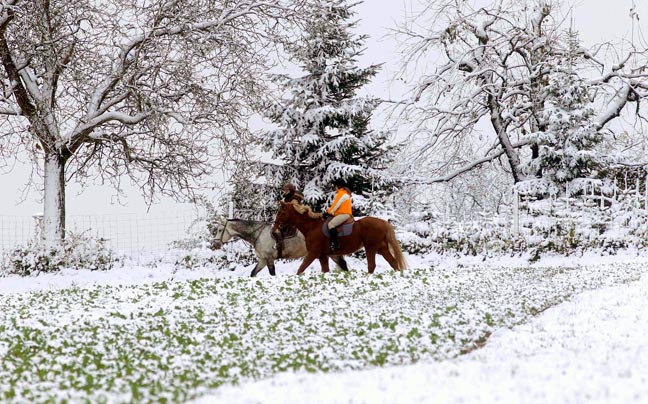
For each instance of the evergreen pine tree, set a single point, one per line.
(323, 126)
(567, 151)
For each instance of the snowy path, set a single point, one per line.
(593, 349)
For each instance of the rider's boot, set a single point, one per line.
(335, 244)
(278, 244)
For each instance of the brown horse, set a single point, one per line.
(375, 235)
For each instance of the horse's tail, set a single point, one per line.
(394, 248)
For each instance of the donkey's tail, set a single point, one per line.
(394, 248)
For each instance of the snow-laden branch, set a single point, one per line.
(614, 107)
(9, 111)
(466, 168)
(147, 87)
(496, 65)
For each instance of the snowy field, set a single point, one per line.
(591, 349)
(448, 330)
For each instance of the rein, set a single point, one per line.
(263, 224)
(255, 231)
(220, 239)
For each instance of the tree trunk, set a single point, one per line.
(54, 200)
(500, 127)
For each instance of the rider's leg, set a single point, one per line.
(336, 221)
(278, 242)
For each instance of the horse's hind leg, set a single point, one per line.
(371, 259)
(271, 268)
(389, 257)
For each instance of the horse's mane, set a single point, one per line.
(301, 209)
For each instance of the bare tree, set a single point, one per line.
(107, 89)
(492, 66)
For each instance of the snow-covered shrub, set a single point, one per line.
(465, 238)
(33, 258)
(562, 227)
(229, 256)
(76, 251)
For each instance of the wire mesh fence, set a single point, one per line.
(128, 233)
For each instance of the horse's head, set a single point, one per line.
(294, 213)
(220, 234)
(283, 216)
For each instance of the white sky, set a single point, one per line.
(597, 20)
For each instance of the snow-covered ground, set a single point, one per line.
(590, 349)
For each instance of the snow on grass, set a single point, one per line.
(591, 349)
(171, 340)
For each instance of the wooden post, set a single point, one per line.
(38, 229)
(516, 213)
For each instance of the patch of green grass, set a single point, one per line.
(171, 341)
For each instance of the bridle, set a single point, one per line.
(225, 229)
(222, 233)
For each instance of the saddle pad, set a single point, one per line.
(344, 230)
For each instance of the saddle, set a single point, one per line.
(345, 229)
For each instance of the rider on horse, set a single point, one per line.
(290, 194)
(340, 210)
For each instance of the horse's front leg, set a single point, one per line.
(341, 262)
(271, 268)
(259, 266)
(324, 262)
(306, 262)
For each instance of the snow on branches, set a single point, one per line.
(323, 128)
(513, 89)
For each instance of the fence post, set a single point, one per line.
(230, 210)
(38, 229)
(516, 213)
(646, 192)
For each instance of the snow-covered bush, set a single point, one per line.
(546, 226)
(76, 251)
(229, 256)
(451, 237)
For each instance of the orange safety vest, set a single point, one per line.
(345, 207)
